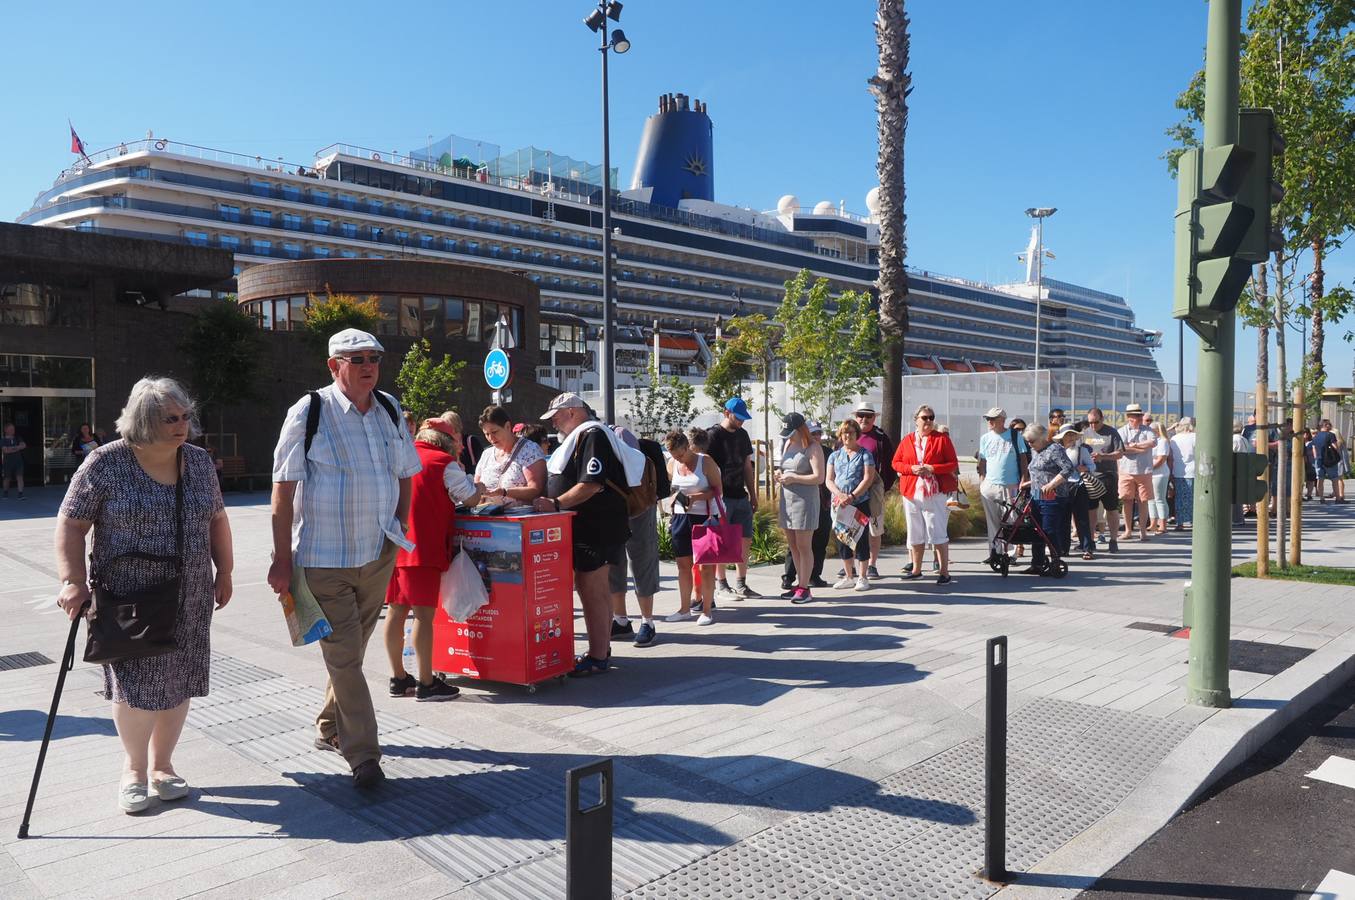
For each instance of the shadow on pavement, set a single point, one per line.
(28, 724)
(1142, 888)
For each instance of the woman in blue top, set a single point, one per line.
(851, 471)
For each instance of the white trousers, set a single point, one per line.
(990, 494)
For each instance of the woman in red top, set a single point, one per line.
(927, 467)
(414, 584)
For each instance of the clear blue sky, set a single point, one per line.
(1057, 103)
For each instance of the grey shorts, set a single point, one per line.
(14, 465)
(642, 550)
(740, 513)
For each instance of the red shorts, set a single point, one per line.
(414, 586)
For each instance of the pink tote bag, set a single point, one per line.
(718, 543)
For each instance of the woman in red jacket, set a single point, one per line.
(927, 467)
(418, 572)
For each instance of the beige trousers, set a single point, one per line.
(351, 600)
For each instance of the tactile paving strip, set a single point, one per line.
(919, 832)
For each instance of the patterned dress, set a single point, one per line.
(133, 512)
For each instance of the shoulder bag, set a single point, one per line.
(140, 623)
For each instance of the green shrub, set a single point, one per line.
(665, 540)
(962, 522)
(769, 544)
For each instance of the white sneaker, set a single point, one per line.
(863, 583)
(844, 583)
(679, 617)
(706, 619)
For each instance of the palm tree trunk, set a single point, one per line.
(891, 85)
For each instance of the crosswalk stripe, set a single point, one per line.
(1336, 886)
(1337, 770)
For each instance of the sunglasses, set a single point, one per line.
(865, 415)
(175, 420)
(927, 418)
(373, 359)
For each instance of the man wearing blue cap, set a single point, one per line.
(732, 451)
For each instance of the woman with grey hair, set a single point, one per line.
(126, 492)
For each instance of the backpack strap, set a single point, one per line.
(312, 419)
(388, 406)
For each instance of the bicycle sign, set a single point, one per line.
(498, 370)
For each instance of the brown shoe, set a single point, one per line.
(330, 743)
(368, 774)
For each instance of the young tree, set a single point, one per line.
(334, 313)
(427, 388)
(831, 345)
(222, 348)
(891, 86)
(751, 349)
(661, 403)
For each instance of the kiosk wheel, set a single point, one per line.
(1058, 568)
(1004, 565)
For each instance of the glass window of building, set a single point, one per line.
(261, 217)
(348, 201)
(265, 312)
(320, 198)
(348, 254)
(262, 248)
(196, 238)
(454, 312)
(431, 318)
(472, 321)
(293, 251)
(321, 252)
(296, 307)
(401, 236)
(291, 221)
(409, 316)
(376, 207)
(426, 241)
(376, 233)
(291, 192)
(320, 226)
(390, 314)
(229, 242)
(261, 188)
(348, 230)
(228, 212)
(42, 304)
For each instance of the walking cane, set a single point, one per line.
(67, 663)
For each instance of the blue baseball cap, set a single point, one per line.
(738, 408)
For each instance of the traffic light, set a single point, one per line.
(1249, 477)
(1260, 191)
(1211, 224)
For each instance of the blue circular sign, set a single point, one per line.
(498, 370)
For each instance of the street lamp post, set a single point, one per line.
(597, 21)
(1039, 214)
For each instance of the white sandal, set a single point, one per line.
(171, 788)
(133, 797)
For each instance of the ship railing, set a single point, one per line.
(481, 173)
(164, 145)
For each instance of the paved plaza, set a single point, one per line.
(827, 750)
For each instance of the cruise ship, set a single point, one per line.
(683, 262)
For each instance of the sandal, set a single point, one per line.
(1088, 555)
(586, 665)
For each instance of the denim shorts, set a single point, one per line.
(740, 512)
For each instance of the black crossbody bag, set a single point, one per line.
(140, 623)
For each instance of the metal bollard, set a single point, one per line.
(995, 764)
(588, 836)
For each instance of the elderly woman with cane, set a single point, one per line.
(143, 495)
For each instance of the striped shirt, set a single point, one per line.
(351, 480)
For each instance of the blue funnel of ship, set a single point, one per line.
(677, 153)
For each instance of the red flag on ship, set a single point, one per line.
(77, 145)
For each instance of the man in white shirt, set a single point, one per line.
(1136, 469)
(1002, 466)
(356, 458)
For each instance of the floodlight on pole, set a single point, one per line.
(1039, 214)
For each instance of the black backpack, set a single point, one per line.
(1331, 457)
(313, 414)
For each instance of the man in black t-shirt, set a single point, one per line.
(1106, 446)
(732, 451)
(589, 484)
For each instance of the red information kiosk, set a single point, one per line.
(525, 634)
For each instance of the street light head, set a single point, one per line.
(614, 11)
(1041, 212)
(619, 42)
(596, 19)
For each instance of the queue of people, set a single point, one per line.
(364, 502)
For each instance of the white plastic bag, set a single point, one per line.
(461, 590)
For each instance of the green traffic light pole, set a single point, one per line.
(1211, 540)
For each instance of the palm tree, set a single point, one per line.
(891, 86)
